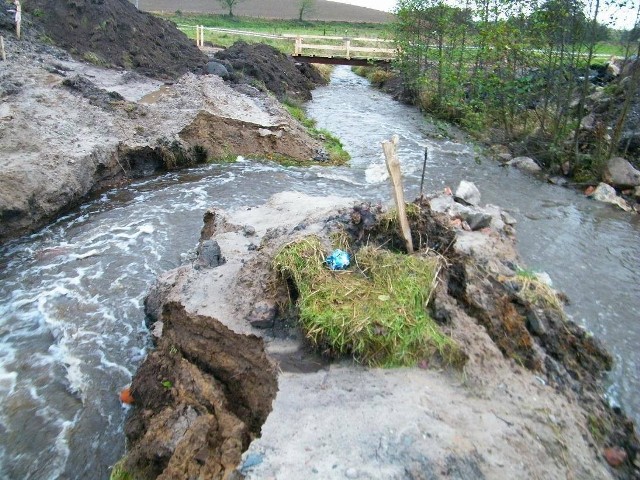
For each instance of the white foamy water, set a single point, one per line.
(72, 329)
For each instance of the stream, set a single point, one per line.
(72, 329)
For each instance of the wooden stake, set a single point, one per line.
(393, 166)
(4, 55)
(18, 18)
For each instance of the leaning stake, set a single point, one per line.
(393, 165)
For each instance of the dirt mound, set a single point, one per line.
(201, 397)
(264, 66)
(113, 33)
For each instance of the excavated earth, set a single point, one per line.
(527, 404)
(69, 129)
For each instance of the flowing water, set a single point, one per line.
(72, 327)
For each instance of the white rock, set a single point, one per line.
(620, 173)
(606, 193)
(468, 192)
(525, 163)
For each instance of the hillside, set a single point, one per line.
(282, 9)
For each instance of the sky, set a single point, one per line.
(624, 18)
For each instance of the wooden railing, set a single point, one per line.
(320, 46)
(344, 47)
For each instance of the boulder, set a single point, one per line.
(478, 220)
(588, 122)
(209, 255)
(467, 193)
(636, 193)
(263, 314)
(525, 163)
(621, 174)
(217, 68)
(607, 194)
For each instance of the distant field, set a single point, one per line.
(279, 9)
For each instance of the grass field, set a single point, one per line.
(187, 22)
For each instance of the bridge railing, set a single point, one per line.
(345, 47)
(313, 45)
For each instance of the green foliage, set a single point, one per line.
(517, 67)
(167, 384)
(376, 311)
(119, 473)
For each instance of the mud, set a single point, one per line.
(200, 398)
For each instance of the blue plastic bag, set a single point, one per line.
(338, 260)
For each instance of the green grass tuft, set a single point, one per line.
(375, 311)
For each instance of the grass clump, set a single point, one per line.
(537, 292)
(375, 311)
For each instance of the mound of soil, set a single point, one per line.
(263, 65)
(114, 33)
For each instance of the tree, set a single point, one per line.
(229, 4)
(305, 7)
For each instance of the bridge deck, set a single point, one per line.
(356, 62)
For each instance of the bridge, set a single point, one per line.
(333, 50)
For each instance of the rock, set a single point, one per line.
(636, 193)
(613, 69)
(615, 456)
(263, 314)
(478, 220)
(621, 174)
(504, 157)
(607, 194)
(566, 167)
(209, 255)
(508, 219)
(525, 163)
(588, 122)
(536, 322)
(321, 155)
(351, 473)
(556, 180)
(249, 231)
(216, 68)
(467, 193)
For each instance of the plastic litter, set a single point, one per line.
(338, 260)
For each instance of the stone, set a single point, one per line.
(209, 255)
(478, 220)
(468, 193)
(535, 322)
(249, 231)
(613, 69)
(607, 194)
(508, 219)
(621, 174)
(636, 193)
(557, 180)
(588, 122)
(615, 456)
(504, 157)
(216, 68)
(263, 314)
(525, 163)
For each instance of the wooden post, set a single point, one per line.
(347, 45)
(393, 166)
(2, 52)
(202, 36)
(197, 35)
(18, 18)
(298, 47)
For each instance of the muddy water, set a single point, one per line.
(71, 322)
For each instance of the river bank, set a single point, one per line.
(118, 125)
(539, 416)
